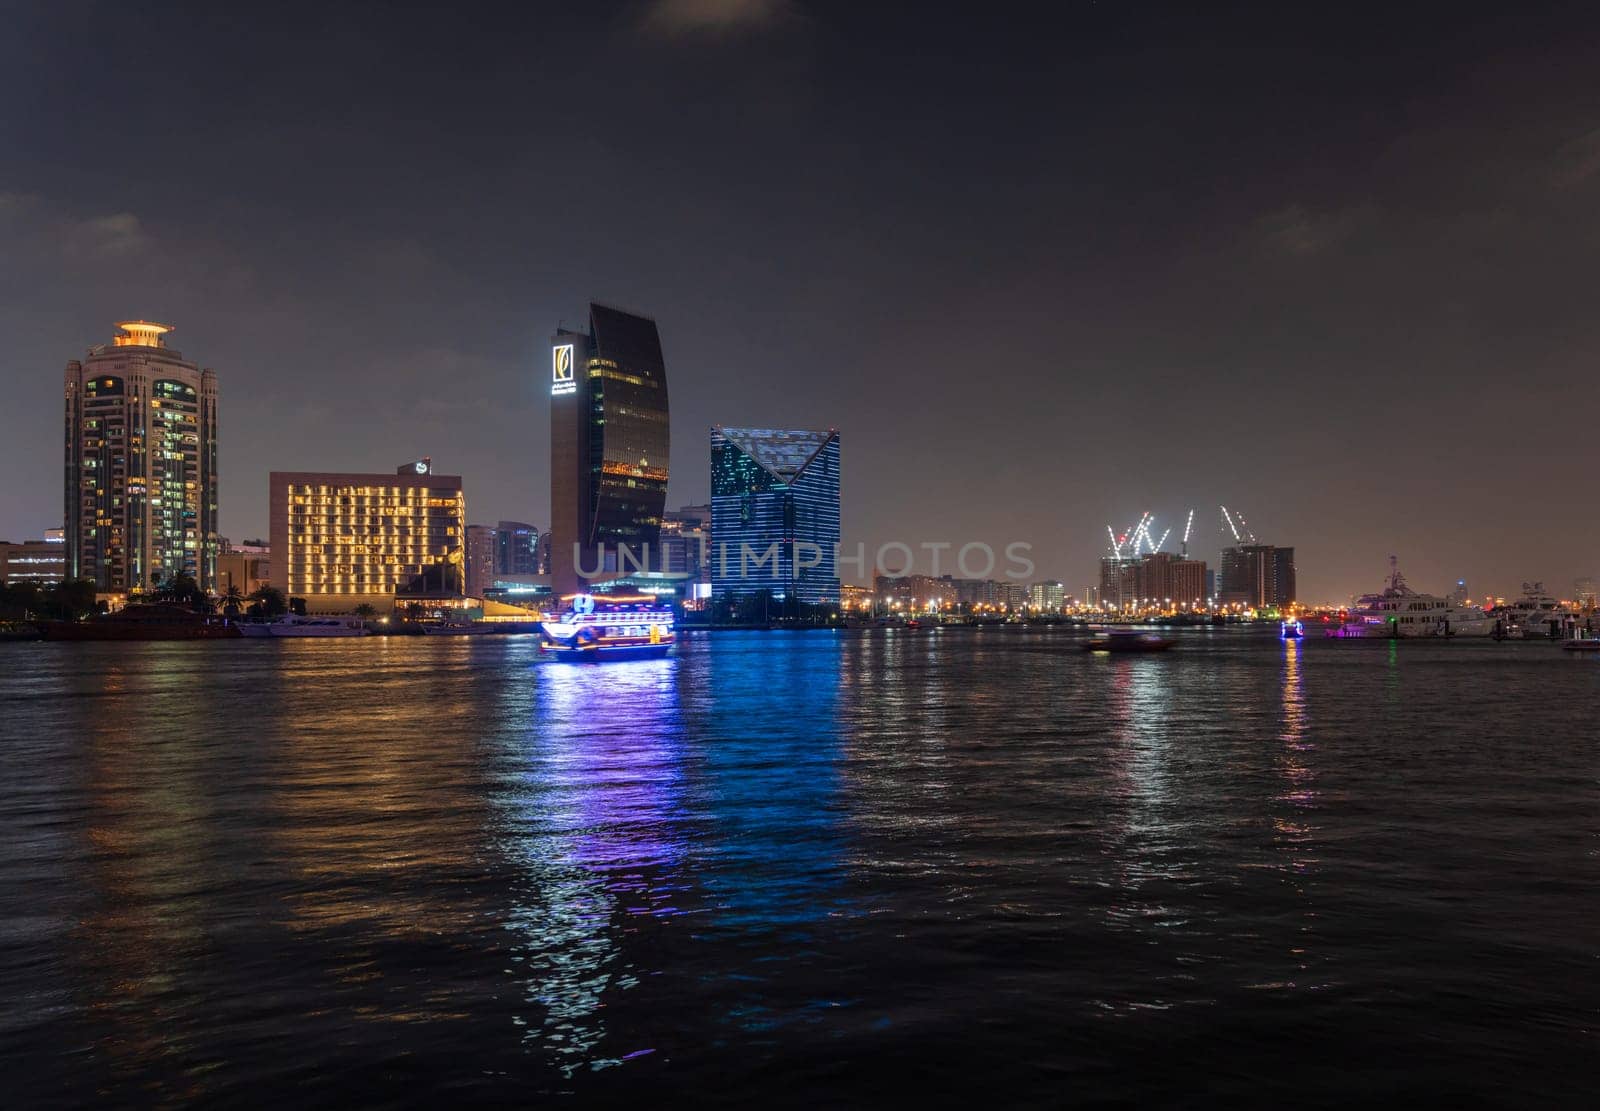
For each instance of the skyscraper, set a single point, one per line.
(516, 547)
(772, 490)
(609, 446)
(1257, 575)
(141, 463)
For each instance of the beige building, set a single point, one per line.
(344, 540)
(141, 463)
(247, 566)
(481, 544)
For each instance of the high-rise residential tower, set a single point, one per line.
(1258, 575)
(775, 513)
(141, 463)
(609, 447)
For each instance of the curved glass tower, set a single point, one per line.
(609, 447)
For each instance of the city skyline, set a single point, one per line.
(1342, 285)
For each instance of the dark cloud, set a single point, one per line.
(1042, 277)
(679, 19)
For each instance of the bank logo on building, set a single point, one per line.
(561, 369)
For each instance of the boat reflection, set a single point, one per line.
(590, 820)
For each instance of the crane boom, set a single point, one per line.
(1231, 527)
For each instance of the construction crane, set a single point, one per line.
(1227, 520)
(1162, 541)
(1237, 538)
(1189, 524)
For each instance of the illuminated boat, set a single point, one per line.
(1291, 629)
(608, 627)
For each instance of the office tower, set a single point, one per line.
(141, 463)
(686, 543)
(516, 547)
(775, 499)
(43, 562)
(482, 542)
(343, 540)
(1257, 576)
(609, 447)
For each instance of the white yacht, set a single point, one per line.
(1402, 612)
(1535, 614)
(292, 625)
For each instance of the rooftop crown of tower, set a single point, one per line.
(141, 333)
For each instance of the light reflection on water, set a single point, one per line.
(396, 867)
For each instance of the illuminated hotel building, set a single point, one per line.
(141, 463)
(774, 488)
(609, 445)
(341, 540)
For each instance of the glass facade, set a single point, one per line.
(515, 548)
(610, 444)
(775, 511)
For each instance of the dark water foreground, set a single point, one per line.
(799, 869)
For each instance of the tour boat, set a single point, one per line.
(1291, 629)
(293, 625)
(1403, 613)
(608, 627)
(1126, 640)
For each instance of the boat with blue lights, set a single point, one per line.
(1291, 629)
(608, 627)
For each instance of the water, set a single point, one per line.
(798, 869)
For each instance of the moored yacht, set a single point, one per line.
(1535, 614)
(293, 625)
(1400, 612)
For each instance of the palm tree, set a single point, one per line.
(268, 602)
(232, 600)
(365, 612)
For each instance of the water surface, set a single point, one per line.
(791, 868)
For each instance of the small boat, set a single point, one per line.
(1291, 629)
(458, 629)
(1126, 640)
(1582, 641)
(608, 627)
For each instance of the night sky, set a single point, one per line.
(1043, 268)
